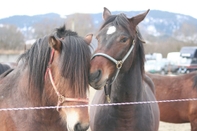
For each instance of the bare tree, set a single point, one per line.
(187, 29)
(187, 32)
(46, 27)
(81, 23)
(11, 38)
(164, 46)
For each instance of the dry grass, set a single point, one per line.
(11, 52)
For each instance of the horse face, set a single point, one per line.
(116, 40)
(69, 94)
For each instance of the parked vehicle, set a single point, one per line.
(157, 66)
(163, 66)
(174, 59)
(154, 56)
(188, 62)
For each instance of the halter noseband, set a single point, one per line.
(118, 63)
(61, 98)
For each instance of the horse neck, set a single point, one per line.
(128, 85)
(18, 94)
(43, 96)
(49, 95)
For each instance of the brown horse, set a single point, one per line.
(173, 88)
(54, 72)
(118, 64)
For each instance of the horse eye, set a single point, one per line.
(124, 40)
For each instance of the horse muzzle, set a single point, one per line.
(96, 80)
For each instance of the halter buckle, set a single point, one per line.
(119, 64)
(61, 99)
(108, 98)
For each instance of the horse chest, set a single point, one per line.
(121, 119)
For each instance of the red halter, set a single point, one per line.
(61, 98)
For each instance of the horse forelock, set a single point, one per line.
(122, 20)
(75, 60)
(61, 32)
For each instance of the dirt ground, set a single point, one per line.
(163, 125)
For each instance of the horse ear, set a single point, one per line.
(106, 13)
(88, 38)
(55, 43)
(137, 19)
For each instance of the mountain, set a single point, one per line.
(22, 21)
(163, 24)
(157, 23)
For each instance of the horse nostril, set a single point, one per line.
(79, 127)
(95, 76)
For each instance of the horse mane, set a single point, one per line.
(62, 32)
(74, 60)
(123, 21)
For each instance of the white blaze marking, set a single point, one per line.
(72, 119)
(111, 30)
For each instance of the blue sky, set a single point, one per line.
(64, 7)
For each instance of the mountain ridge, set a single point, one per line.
(157, 23)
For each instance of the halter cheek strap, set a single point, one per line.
(50, 62)
(61, 98)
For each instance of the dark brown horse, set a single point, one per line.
(7, 66)
(118, 64)
(173, 88)
(4, 67)
(54, 72)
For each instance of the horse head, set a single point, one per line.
(117, 48)
(67, 72)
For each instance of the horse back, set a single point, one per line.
(149, 83)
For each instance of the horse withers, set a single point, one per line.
(54, 72)
(177, 87)
(118, 65)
